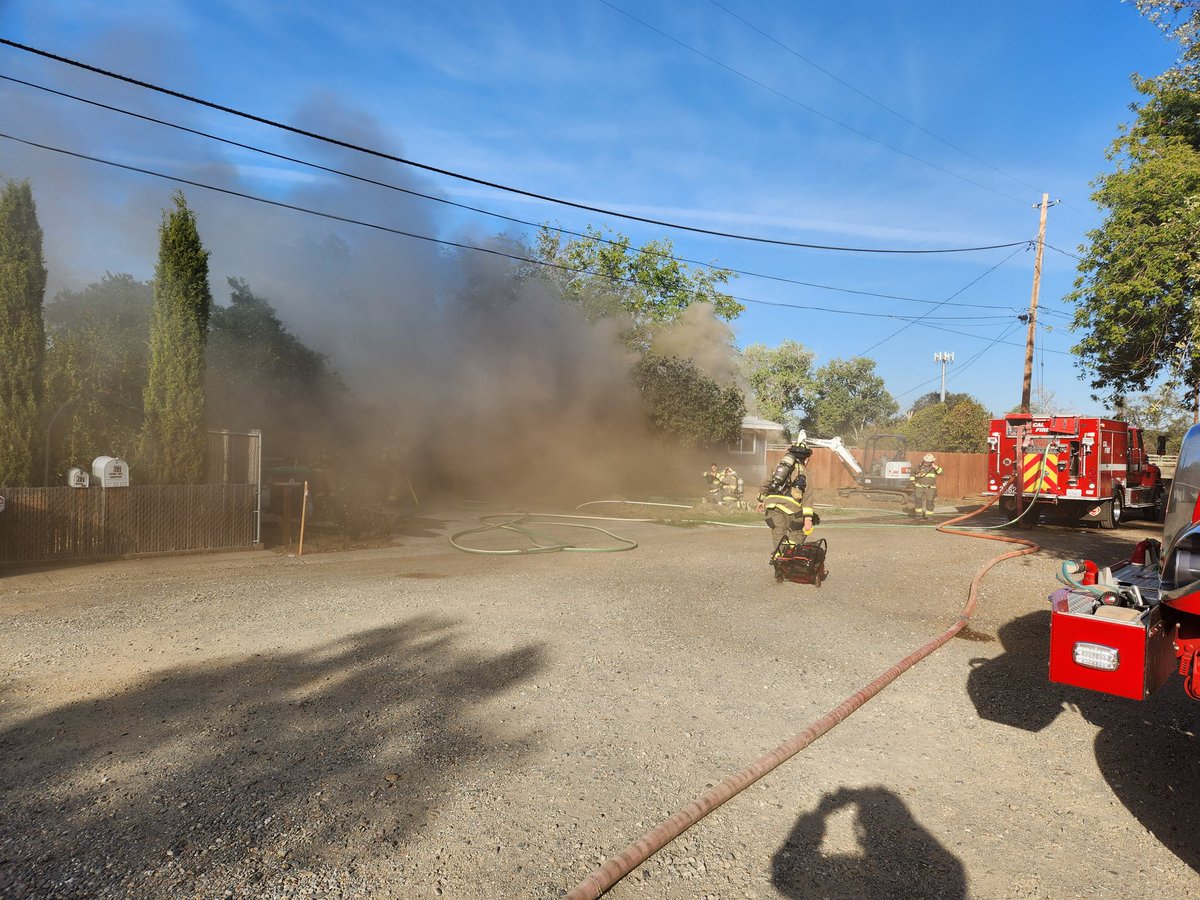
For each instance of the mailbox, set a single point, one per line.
(110, 471)
(77, 477)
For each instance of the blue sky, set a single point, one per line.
(578, 100)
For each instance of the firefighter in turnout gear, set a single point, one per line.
(731, 488)
(713, 477)
(782, 499)
(924, 480)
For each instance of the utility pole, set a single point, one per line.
(944, 359)
(1027, 384)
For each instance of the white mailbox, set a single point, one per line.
(110, 471)
(77, 477)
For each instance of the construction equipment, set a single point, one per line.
(1072, 469)
(882, 475)
(1124, 629)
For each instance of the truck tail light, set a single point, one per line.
(1096, 656)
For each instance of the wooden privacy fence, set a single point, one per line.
(965, 474)
(64, 523)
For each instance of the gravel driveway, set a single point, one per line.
(416, 722)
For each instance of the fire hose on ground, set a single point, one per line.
(605, 876)
(541, 543)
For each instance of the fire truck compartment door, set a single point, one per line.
(1107, 654)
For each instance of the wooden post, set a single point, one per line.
(303, 510)
(1027, 382)
(286, 514)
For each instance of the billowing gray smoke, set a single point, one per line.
(468, 373)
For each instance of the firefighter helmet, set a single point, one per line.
(929, 457)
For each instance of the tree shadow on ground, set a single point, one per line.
(1074, 541)
(251, 774)
(896, 858)
(1148, 752)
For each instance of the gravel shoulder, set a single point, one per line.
(415, 721)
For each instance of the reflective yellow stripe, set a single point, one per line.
(787, 504)
(1040, 472)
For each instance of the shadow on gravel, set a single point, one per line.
(248, 774)
(1076, 541)
(896, 858)
(1148, 752)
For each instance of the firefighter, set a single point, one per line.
(924, 481)
(731, 487)
(782, 499)
(713, 477)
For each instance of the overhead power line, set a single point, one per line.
(951, 297)
(1063, 252)
(480, 181)
(999, 339)
(816, 112)
(980, 337)
(440, 241)
(465, 206)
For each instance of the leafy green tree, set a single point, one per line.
(781, 379)
(848, 398)
(174, 438)
(259, 375)
(959, 427)
(607, 276)
(1179, 20)
(97, 359)
(22, 332)
(685, 405)
(935, 397)
(1135, 295)
(1162, 411)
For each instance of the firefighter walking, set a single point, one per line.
(924, 481)
(782, 499)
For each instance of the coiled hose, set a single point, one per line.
(542, 543)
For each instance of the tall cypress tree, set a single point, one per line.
(174, 439)
(22, 332)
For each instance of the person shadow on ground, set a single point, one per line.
(897, 857)
(1147, 751)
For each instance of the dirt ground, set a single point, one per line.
(415, 721)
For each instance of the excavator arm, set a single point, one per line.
(836, 445)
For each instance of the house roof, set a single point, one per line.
(754, 423)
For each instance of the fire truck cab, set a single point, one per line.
(1070, 469)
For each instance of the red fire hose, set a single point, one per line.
(616, 868)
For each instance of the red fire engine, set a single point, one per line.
(1071, 469)
(1124, 629)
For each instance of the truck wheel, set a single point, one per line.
(1008, 509)
(1112, 511)
(1029, 520)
